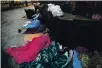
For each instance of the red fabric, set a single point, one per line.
(30, 51)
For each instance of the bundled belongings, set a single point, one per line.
(84, 60)
(95, 60)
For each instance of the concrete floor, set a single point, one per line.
(11, 20)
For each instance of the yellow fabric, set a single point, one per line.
(28, 37)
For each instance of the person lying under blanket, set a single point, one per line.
(52, 57)
(32, 23)
(40, 53)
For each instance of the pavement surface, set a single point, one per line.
(11, 21)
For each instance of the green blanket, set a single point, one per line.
(49, 58)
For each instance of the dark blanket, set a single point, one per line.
(49, 58)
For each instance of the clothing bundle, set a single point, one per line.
(97, 16)
(55, 10)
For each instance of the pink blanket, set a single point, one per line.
(30, 51)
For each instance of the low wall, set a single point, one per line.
(77, 33)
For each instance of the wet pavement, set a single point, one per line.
(11, 21)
